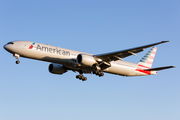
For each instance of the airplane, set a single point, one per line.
(63, 60)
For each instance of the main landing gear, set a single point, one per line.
(17, 57)
(81, 77)
(96, 72)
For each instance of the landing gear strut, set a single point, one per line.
(17, 57)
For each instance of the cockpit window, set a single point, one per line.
(10, 43)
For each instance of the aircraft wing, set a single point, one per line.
(119, 55)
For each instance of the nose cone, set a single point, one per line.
(8, 47)
(5, 47)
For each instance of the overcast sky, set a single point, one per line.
(29, 92)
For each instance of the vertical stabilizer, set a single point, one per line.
(147, 61)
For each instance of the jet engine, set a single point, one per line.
(85, 60)
(57, 69)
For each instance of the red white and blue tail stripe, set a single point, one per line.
(147, 61)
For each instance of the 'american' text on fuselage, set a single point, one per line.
(53, 50)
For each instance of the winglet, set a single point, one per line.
(165, 41)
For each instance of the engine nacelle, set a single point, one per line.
(85, 60)
(57, 69)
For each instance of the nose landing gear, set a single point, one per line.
(17, 57)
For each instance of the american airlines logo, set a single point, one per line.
(31, 47)
(50, 50)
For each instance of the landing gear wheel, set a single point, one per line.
(17, 62)
(95, 72)
(82, 77)
(101, 74)
(77, 76)
(85, 78)
(98, 73)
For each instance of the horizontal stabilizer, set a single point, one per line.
(159, 68)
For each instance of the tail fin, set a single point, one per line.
(147, 60)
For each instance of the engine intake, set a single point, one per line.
(85, 60)
(57, 69)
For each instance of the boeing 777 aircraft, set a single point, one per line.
(63, 59)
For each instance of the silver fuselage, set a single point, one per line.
(67, 57)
